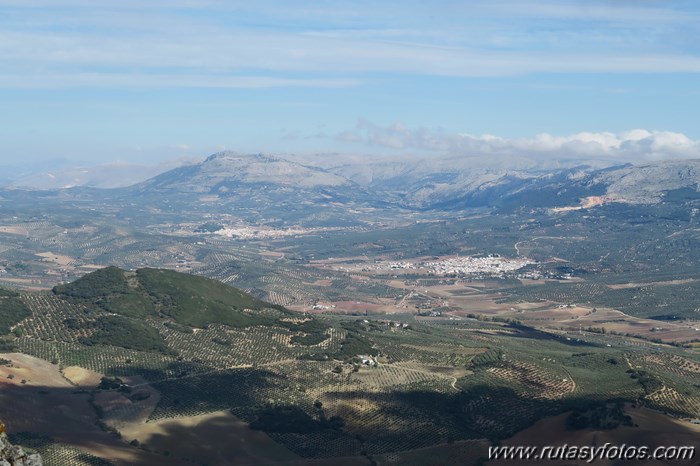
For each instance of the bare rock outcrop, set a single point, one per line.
(11, 455)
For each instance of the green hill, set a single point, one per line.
(186, 299)
(12, 310)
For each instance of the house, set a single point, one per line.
(368, 361)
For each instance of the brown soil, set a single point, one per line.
(654, 429)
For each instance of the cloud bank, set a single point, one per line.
(629, 146)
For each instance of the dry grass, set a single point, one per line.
(216, 438)
(48, 404)
(459, 453)
(654, 429)
(81, 377)
(622, 286)
(56, 258)
(34, 371)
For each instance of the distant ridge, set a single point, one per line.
(218, 171)
(444, 183)
(294, 185)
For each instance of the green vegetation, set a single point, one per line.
(648, 381)
(436, 381)
(199, 301)
(662, 302)
(179, 328)
(188, 299)
(606, 416)
(130, 305)
(98, 284)
(209, 227)
(309, 339)
(7, 345)
(312, 331)
(145, 301)
(110, 383)
(12, 310)
(491, 357)
(355, 344)
(292, 419)
(127, 333)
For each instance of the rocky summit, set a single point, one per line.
(11, 455)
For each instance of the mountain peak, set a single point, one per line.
(233, 155)
(228, 168)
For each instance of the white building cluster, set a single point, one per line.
(245, 232)
(489, 265)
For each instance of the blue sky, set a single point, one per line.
(151, 80)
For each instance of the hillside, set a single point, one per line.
(435, 183)
(151, 362)
(222, 171)
(12, 310)
(280, 191)
(187, 299)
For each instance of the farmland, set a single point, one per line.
(431, 381)
(379, 338)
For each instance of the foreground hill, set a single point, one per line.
(125, 308)
(187, 299)
(158, 367)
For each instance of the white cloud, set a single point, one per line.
(140, 80)
(240, 51)
(633, 145)
(620, 11)
(52, 44)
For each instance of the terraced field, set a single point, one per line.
(363, 385)
(430, 384)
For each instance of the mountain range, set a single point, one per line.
(443, 183)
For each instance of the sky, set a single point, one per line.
(147, 81)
